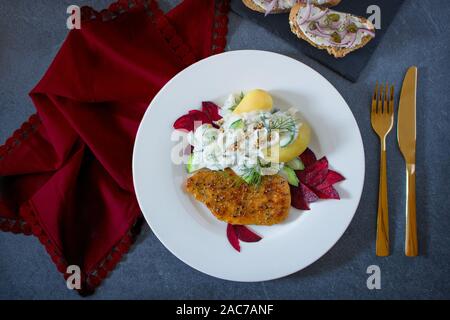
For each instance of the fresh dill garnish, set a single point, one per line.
(282, 124)
(264, 164)
(252, 176)
(237, 182)
(237, 101)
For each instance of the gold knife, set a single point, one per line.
(406, 132)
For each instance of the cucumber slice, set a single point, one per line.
(290, 176)
(286, 138)
(190, 166)
(238, 124)
(296, 164)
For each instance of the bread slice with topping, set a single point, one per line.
(337, 32)
(282, 6)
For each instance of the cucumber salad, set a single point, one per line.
(249, 140)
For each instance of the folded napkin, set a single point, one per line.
(65, 175)
(352, 65)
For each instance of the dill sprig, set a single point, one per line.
(252, 176)
(237, 101)
(282, 124)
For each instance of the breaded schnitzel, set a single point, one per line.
(232, 200)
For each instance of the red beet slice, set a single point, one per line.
(185, 122)
(328, 193)
(332, 178)
(308, 157)
(308, 194)
(245, 234)
(298, 200)
(198, 115)
(315, 174)
(316, 182)
(188, 121)
(233, 238)
(211, 110)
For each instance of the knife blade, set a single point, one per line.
(407, 137)
(406, 130)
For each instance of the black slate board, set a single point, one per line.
(349, 67)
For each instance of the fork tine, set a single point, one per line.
(380, 99)
(386, 99)
(375, 99)
(391, 102)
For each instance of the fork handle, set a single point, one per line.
(411, 246)
(382, 244)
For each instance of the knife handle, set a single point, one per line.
(411, 246)
(382, 243)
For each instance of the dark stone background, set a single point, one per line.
(31, 33)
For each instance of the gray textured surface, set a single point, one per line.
(30, 35)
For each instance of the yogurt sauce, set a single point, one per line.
(241, 141)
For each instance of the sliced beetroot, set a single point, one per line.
(332, 178)
(328, 193)
(233, 238)
(188, 121)
(185, 122)
(245, 234)
(319, 165)
(211, 110)
(315, 174)
(316, 182)
(298, 200)
(200, 116)
(308, 194)
(308, 157)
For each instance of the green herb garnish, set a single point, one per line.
(283, 125)
(252, 176)
(237, 101)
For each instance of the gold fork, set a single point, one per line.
(382, 118)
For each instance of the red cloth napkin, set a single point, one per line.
(65, 175)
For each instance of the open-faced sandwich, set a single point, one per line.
(249, 162)
(281, 6)
(337, 32)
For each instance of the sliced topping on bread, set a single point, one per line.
(270, 6)
(337, 32)
(280, 6)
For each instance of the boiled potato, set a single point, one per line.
(298, 146)
(260, 100)
(256, 100)
(293, 150)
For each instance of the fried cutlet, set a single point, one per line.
(232, 200)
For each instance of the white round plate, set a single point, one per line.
(187, 228)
